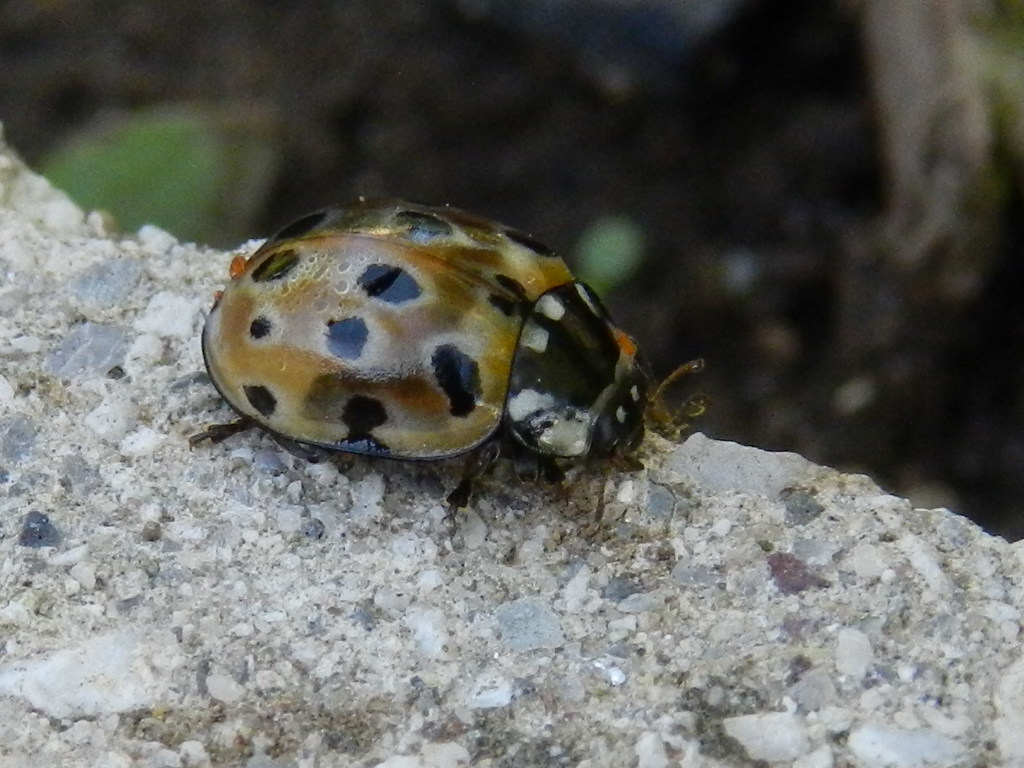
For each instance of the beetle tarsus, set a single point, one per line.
(479, 462)
(218, 433)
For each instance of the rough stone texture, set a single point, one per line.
(234, 605)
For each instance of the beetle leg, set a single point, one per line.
(218, 433)
(479, 462)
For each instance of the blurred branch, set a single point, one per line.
(936, 141)
(913, 284)
(908, 281)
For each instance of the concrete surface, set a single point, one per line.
(234, 605)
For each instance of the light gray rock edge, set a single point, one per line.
(734, 605)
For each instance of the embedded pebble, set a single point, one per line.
(661, 504)
(268, 460)
(6, 391)
(289, 518)
(30, 345)
(79, 475)
(140, 442)
(104, 674)
(473, 530)
(223, 688)
(143, 354)
(491, 693)
(313, 528)
(367, 497)
(801, 506)
(168, 314)
(429, 629)
(791, 574)
(107, 284)
(151, 530)
(445, 755)
(626, 493)
(619, 589)
(1009, 721)
(865, 560)
(924, 560)
(814, 691)
(816, 552)
(17, 437)
(37, 531)
(724, 466)
(429, 580)
(88, 350)
(111, 419)
(641, 602)
(650, 751)
(853, 653)
(883, 746)
(769, 736)
(820, 758)
(527, 624)
(686, 575)
(71, 556)
(155, 239)
(193, 754)
(576, 588)
(85, 574)
(393, 600)
(613, 673)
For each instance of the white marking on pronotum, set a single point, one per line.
(528, 401)
(535, 338)
(566, 437)
(585, 295)
(620, 414)
(634, 392)
(550, 307)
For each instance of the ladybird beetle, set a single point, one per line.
(406, 331)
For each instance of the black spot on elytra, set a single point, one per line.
(362, 415)
(527, 241)
(329, 400)
(276, 266)
(511, 284)
(458, 375)
(259, 327)
(300, 226)
(504, 304)
(389, 283)
(423, 227)
(346, 338)
(261, 399)
(370, 446)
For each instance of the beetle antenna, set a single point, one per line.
(671, 422)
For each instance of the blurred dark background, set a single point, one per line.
(822, 198)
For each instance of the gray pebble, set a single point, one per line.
(17, 437)
(527, 624)
(313, 528)
(89, 350)
(37, 531)
(107, 284)
(619, 589)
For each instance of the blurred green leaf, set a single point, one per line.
(994, 56)
(609, 252)
(199, 172)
